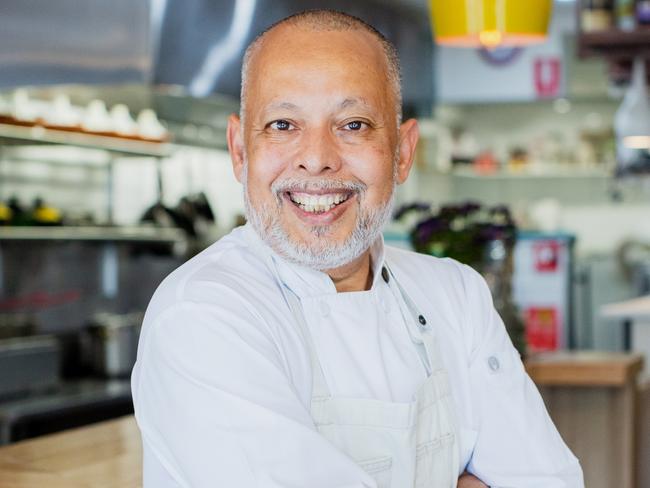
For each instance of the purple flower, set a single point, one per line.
(412, 207)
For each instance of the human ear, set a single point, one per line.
(235, 145)
(408, 139)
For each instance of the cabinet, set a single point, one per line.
(592, 398)
(612, 43)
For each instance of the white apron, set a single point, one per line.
(399, 445)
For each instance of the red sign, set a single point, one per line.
(547, 256)
(548, 75)
(542, 328)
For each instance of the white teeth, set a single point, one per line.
(318, 203)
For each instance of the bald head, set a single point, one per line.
(332, 21)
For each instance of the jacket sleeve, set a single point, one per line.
(215, 405)
(517, 444)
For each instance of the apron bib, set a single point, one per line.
(399, 444)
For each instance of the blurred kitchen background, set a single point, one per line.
(114, 171)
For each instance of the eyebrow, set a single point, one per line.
(351, 102)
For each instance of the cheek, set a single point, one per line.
(374, 168)
(264, 167)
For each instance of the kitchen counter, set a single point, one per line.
(69, 404)
(587, 393)
(104, 455)
(592, 398)
(584, 368)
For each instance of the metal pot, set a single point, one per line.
(114, 343)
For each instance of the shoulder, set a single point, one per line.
(221, 313)
(434, 273)
(227, 267)
(227, 290)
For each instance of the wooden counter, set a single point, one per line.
(105, 455)
(591, 397)
(584, 368)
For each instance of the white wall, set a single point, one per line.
(463, 76)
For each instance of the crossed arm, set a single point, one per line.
(467, 480)
(246, 420)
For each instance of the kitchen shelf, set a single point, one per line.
(41, 135)
(532, 173)
(38, 135)
(93, 233)
(615, 43)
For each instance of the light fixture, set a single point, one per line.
(490, 23)
(632, 123)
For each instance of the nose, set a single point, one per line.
(318, 153)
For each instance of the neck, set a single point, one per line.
(354, 276)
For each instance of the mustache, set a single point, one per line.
(279, 187)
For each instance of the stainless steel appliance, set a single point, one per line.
(113, 343)
(28, 364)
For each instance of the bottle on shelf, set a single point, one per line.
(596, 15)
(19, 216)
(625, 15)
(43, 214)
(643, 13)
(5, 214)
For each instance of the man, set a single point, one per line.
(298, 351)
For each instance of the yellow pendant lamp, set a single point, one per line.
(490, 23)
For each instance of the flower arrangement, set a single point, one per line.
(462, 232)
(482, 237)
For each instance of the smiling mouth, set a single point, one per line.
(318, 204)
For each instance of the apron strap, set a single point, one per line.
(428, 348)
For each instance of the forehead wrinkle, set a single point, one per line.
(349, 102)
(284, 106)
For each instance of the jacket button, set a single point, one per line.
(422, 320)
(384, 274)
(493, 363)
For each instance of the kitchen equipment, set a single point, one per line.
(28, 364)
(69, 405)
(632, 124)
(543, 263)
(113, 343)
(625, 19)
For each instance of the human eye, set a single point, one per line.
(355, 125)
(281, 125)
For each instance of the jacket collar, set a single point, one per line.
(301, 280)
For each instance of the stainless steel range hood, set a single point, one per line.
(68, 41)
(194, 44)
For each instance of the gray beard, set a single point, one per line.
(321, 254)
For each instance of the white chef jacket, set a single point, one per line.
(222, 383)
